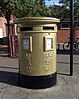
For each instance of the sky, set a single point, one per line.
(51, 2)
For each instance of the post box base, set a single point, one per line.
(37, 82)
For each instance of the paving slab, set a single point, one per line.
(67, 87)
(60, 91)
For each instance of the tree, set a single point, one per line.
(66, 4)
(76, 9)
(31, 8)
(60, 12)
(23, 8)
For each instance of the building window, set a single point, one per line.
(65, 25)
(77, 25)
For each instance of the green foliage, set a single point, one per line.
(66, 4)
(24, 8)
(7, 6)
(76, 9)
(32, 8)
(59, 11)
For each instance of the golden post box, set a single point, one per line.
(37, 51)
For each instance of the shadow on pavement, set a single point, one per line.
(10, 78)
(67, 52)
(63, 74)
(63, 52)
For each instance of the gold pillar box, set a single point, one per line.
(37, 51)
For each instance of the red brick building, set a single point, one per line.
(63, 33)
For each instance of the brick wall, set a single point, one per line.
(77, 34)
(62, 35)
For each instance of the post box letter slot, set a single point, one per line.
(48, 28)
(26, 28)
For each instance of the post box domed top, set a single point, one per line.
(37, 20)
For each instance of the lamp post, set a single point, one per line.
(71, 35)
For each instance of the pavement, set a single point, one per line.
(67, 87)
